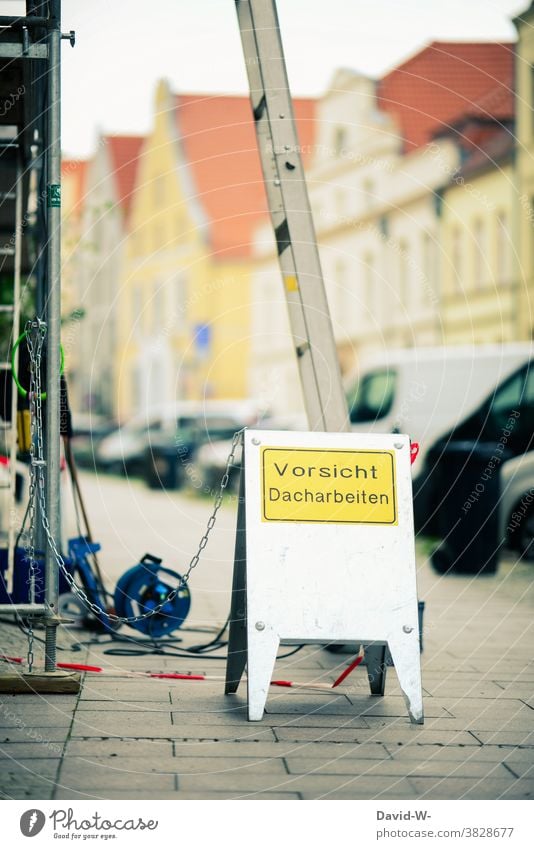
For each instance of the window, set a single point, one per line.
(137, 306)
(373, 397)
(343, 300)
(479, 253)
(429, 257)
(340, 200)
(158, 308)
(456, 259)
(340, 139)
(369, 196)
(370, 284)
(404, 277)
(502, 247)
(159, 190)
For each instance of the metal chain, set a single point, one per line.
(38, 467)
(37, 328)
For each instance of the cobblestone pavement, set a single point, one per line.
(138, 738)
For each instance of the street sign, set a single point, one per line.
(328, 485)
(325, 553)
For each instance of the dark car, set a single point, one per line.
(169, 456)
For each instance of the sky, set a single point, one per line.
(124, 46)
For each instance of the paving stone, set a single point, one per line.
(520, 767)
(238, 718)
(172, 765)
(390, 766)
(36, 703)
(522, 789)
(110, 691)
(41, 790)
(465, 788)
(280, 749)
(391, 706)
(149, 708)
(40, 737)
(519, 689)
(491, 707)
(383, 735)
(316, 785)
(488, 754)
(114, 747)
(506, 738)
(452, 689)
(310, 706)
(28, 770)
(15, 751)
(149, 793)
(19, 717)
(103, 723)
(101, 780)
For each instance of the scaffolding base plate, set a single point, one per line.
(40, 682)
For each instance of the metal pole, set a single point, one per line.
(287, 197)
(14, 518)
(53, 317)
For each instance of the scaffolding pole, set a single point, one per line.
(53, 319)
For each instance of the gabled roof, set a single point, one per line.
(124, 157)
(447, 80)
(219, 141)
(75, 171)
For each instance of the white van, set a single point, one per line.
(428, 392)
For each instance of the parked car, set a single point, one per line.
(212, 457)
(428, 392)
(88, 432)
(169, 456)
(516, 509)
(501, 427)
(124, 450)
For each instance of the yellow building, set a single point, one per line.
(479, 279)
(184, 301)
(525, 170)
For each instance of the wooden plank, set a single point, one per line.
(40, 682)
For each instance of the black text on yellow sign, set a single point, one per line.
(328, 485)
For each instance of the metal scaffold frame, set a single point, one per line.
(36, 37)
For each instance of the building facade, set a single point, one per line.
(383, 160)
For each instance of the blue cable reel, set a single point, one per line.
(146, 586)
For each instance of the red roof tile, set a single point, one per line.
(76, 170)
(445, 81)
(124, 155)
(219, 141)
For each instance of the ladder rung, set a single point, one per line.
(7, 251)
(9, 145)
(8, 196)
(5, 365)
(6, 307)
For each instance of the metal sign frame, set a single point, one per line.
(325, 581)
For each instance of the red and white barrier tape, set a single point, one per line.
(178, 676)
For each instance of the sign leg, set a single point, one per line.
(237, 641)
(406, 659)
(376, 657)
(262, 649)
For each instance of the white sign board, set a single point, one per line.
(328, 542)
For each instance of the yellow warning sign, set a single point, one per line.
(328, 485)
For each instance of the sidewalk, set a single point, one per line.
(150, 739)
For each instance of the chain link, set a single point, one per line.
(37, 473)
(38, 329)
